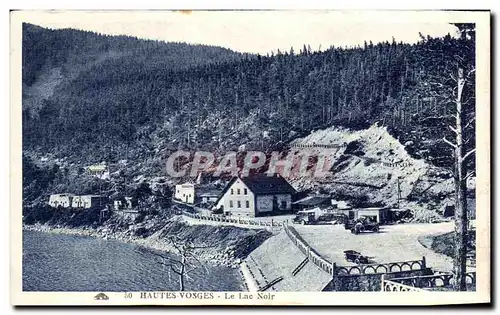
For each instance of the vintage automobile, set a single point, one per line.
(304, 217)
(355, 257)
(313, 216)
(362, 225)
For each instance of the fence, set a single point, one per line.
(216, 218)
(320, 146)
(388, 285)
(382, 268)
(440, 280)
(309, 252)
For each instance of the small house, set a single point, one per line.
(256, 195)
(312, 201)
(89, 201)
(185, 193)
(125, 203)
(61, 200)
(99, 170)
(208, 196)
(340, 204)
(380, 215)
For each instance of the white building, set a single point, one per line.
(256, 196)
(89, 201)
(207, 196)
(341, 204)
(126, 203)
(185, 193)
(61, 200)
(99, 170)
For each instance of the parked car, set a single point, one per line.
(362, 225)
(304, 217)
(314, 216)
(355, 257)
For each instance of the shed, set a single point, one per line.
(380, 215)
(312, 201)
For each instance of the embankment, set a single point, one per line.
(278, 265)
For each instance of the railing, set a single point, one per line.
(381, 268)
(216, 218)
(309, 252)
(321, 146)
(333, 269)
(440, 280)
(388, 286)
(270, 284)
(300, 266)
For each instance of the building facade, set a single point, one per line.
(256, 196)
(208, 196)
(379, 215)
(185, 193)
(89, 201)
(61, 200)
(99, 170)
(125, 203)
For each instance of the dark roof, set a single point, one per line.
(262, 185)
(208, 192)
(268, 185)
(312, 200)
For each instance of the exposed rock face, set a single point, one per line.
(370, 166)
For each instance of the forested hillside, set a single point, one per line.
(123, 98)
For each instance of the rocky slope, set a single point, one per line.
(222, 245)
(369, 165)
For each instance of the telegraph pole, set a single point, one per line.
(399, 189)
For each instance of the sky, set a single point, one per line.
(254, 31)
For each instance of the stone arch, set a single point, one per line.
(393, 267)
(342, 270)
(380, 268)
(439, 282)
(369, 270)
(419, 265)
(452, 281)
(405, 267)
(354, 270)
(469, 278)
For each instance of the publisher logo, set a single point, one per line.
(101, 297)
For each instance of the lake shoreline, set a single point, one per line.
(152, 242)
(73, 261)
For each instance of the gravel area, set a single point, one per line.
(393, 243)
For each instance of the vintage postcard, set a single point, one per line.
(250, 157)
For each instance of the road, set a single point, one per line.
(393, 243)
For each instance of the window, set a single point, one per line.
(230, 203)
(239, 191)
(247, 204)
(245, 191)
(232, 191)
(239, 204)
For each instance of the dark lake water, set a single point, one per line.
(56, 262)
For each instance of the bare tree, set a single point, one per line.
(460, 178)
(185, 260)
(463, 77)
(454, 88)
